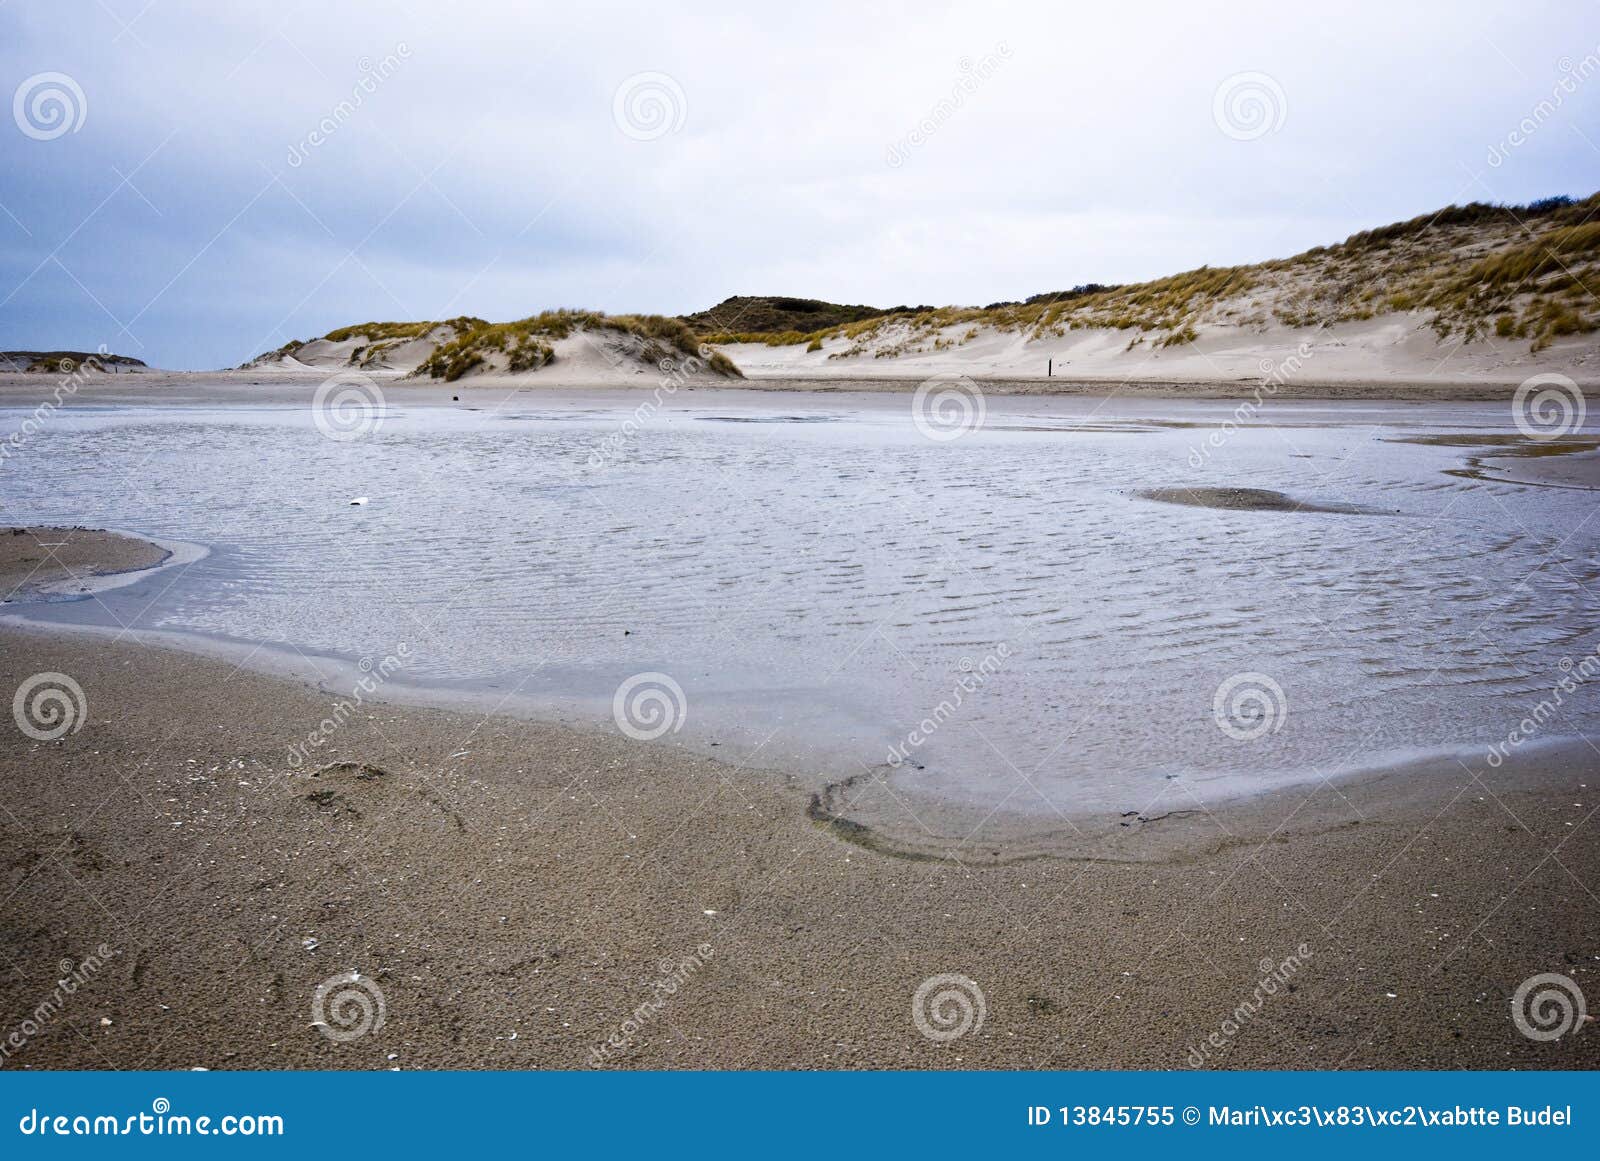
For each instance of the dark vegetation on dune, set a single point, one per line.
(755, 318)
(65, 362)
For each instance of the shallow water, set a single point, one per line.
(1000, 617)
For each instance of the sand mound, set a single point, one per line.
(1246, 500)
(391, 347)
(581, 346)
(41, 562)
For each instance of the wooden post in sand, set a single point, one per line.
(1049, 368)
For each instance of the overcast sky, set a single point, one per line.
(197, 184)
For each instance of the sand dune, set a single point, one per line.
(575, 346)
(1397, 347)
(1475, 293)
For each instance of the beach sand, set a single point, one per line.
(279, 388)
(36, 561)
(519, 893)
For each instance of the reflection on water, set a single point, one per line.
(824, 584)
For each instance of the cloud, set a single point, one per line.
(242, 178)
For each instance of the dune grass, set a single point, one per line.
(525, 344)
(380, 331)
(1471, 272)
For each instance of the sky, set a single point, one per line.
(192, 184)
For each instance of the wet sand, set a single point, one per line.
(36, 561)
(280, 388)
(518, 893)
(1571, 461)
(1247, 500)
